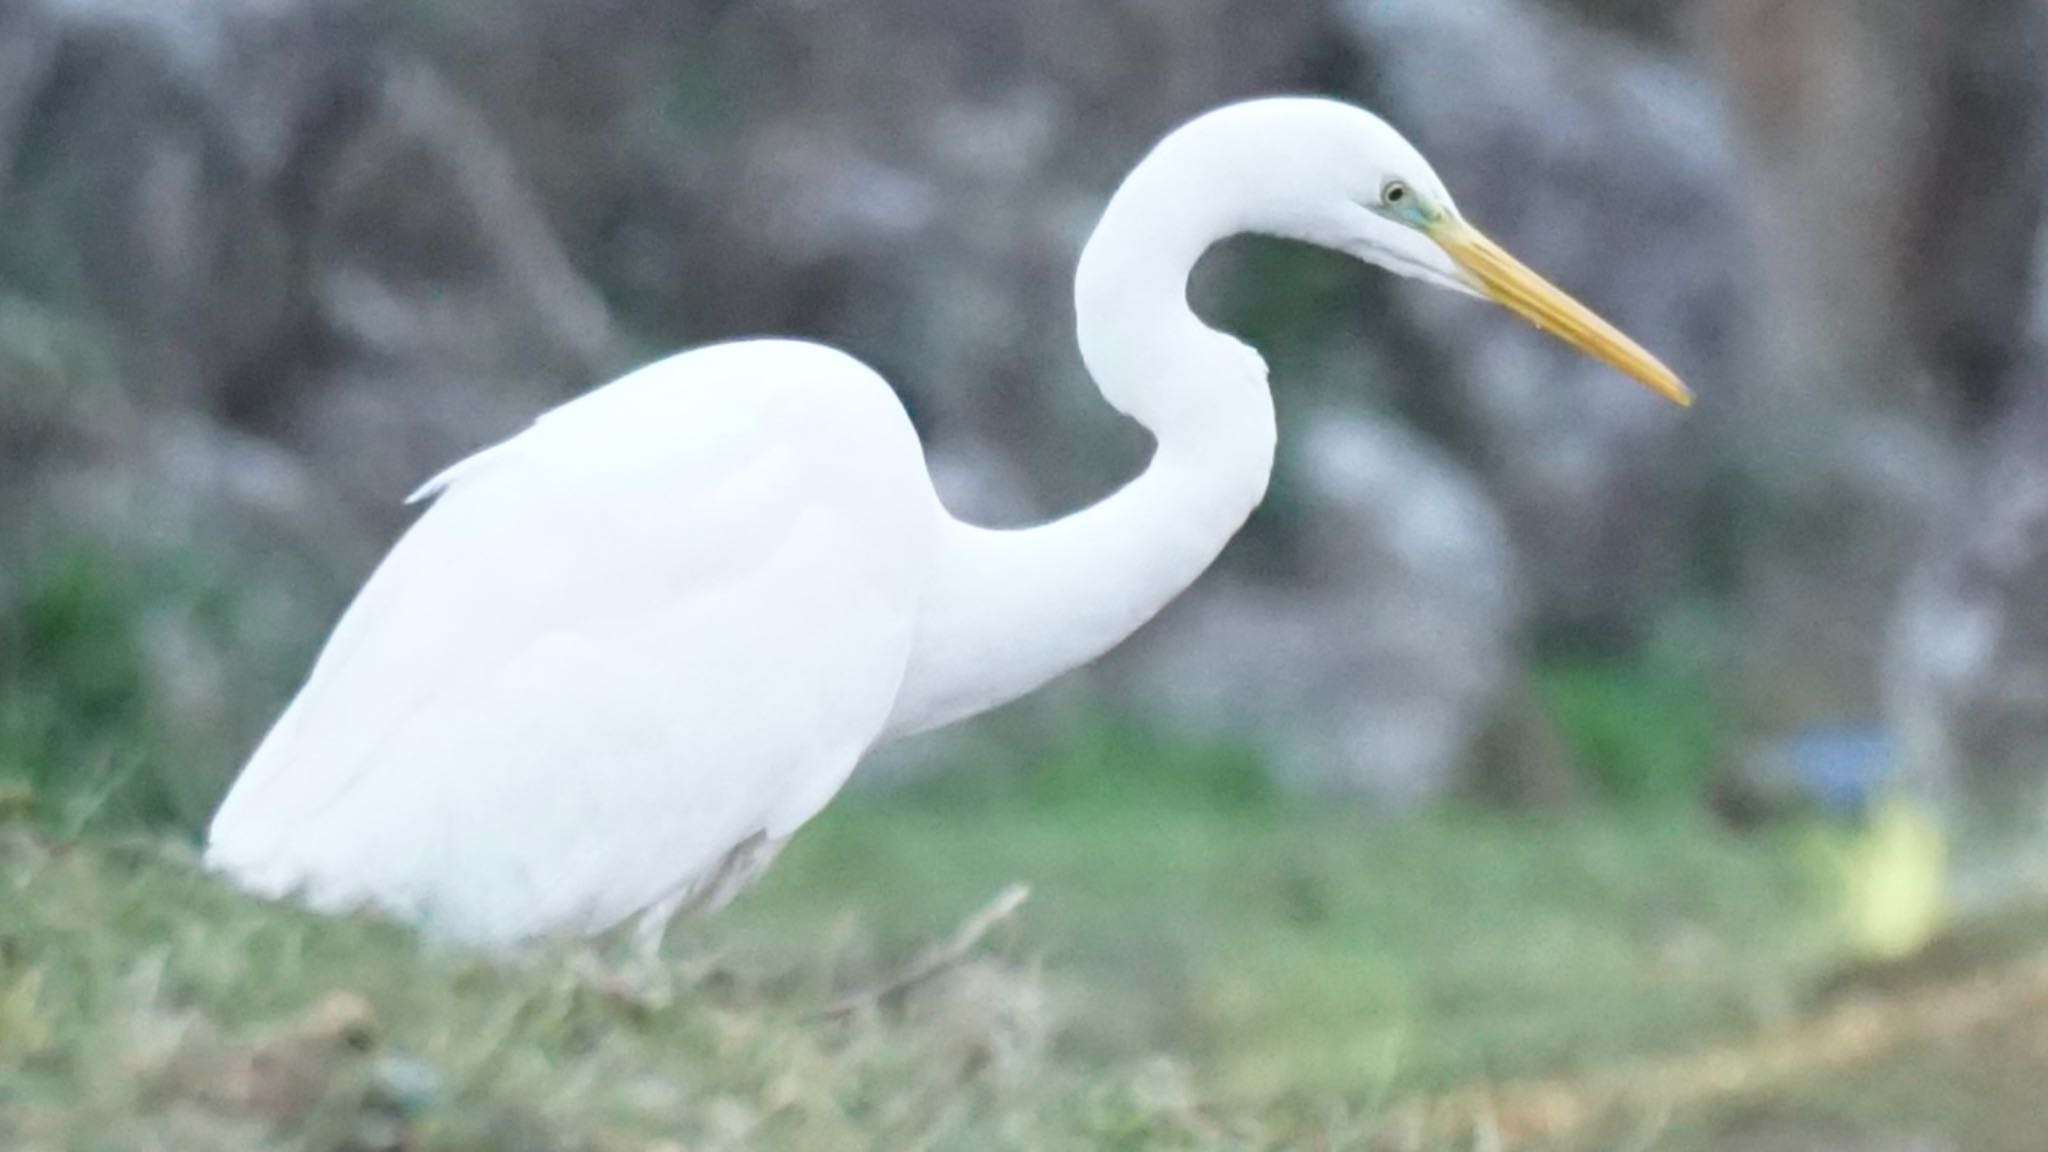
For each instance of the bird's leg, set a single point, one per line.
(741, 866)
(708, 893)
(651, 930)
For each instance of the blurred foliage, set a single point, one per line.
(1100, 760)
(82, 744)
(1645, 725)
(73, 712)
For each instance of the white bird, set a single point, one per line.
(632, 649)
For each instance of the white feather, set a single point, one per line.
(672, 614)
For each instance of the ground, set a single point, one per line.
(1186, 974)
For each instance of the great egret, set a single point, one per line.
(632, 649)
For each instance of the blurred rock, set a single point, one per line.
(447, 312)
(1377, 665)
(1610, 168)
(1896, 152)
(1893, 565)
(1827, 541)
(1968, 685)
(262, 273)
(293, 226)
(1967, 690)
(1842, 462)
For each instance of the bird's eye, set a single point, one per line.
(1395, 194)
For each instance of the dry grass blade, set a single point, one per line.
(1855, 1032)
(937, 961)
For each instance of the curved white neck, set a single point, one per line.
(1008, 610)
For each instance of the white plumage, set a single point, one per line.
(494, 722)
(628, 652)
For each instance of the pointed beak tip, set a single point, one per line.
(1500, 277)
(1674, 390)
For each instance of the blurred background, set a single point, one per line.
(1532, 728)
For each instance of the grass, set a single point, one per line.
(1191, 977)
(1301, 951)
(1188, 974)
(143, 1006)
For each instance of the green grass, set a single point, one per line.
(1184, 977)
(141, 1005)
(1292, 950)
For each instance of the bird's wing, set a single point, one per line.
(670, 616)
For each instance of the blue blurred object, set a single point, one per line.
(1842, 768)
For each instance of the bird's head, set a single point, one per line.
(1340, 177)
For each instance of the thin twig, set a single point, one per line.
(937, 961)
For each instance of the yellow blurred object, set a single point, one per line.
(1896, 881)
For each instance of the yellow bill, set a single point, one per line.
(1543, 304)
